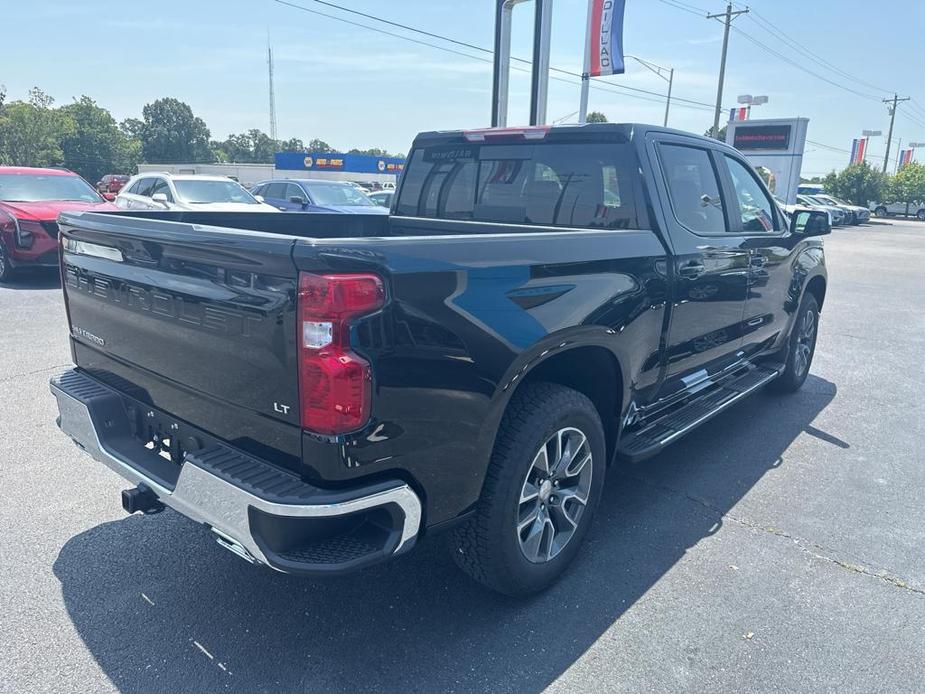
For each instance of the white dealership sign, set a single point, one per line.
(775, 144)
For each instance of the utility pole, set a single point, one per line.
(727, 18)
(892, 109)
(272, 94)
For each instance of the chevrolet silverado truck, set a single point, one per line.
(321, 391)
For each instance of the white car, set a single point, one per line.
(888, 209)
(164, 191)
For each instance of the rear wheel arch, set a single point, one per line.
(593, 371)
(817, 286)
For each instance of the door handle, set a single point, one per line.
(692, 270)
(757, 261)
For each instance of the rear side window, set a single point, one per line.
(568, 185)
(693, 188)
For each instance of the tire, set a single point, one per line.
(880, 211)
(920, 215)
(6, 270)
(801, 348)
(518, 542)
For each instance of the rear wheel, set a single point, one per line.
(920, 215)
(801, 348)
(543, 484)
(6, 269)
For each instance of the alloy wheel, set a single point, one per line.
(806, 340)
(554, 495)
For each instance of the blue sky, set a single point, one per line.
(355, 88)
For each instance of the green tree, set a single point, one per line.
(96, 145)
(317, 145)
(596, 117)
(721, 136)
(908, 186)
(171, 133)
(293, 144)
(859, 183)
(372, 152)
(31, 131)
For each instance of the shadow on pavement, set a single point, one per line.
(162, 608)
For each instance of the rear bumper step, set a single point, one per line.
(256, 510)
(652, 438)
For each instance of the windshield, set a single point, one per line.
(338, 194)
(37, 187)
(817, 201)
(199, 192)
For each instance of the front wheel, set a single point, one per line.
(543, 484)
(801, 348)
(920, 215)
(880, 211)
(6, 269)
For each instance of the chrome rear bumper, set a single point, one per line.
(256, 510)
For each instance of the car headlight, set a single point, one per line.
(25, 233)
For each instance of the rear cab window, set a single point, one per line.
(693, 188)
(557, 184)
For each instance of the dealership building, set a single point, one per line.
(331, 166)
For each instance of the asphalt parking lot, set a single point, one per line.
(779, 548)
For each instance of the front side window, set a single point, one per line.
(146, 186)
(549, 184)
(275, 191)
(755, 207)
(162, 187)
(693, 188)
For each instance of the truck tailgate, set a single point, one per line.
(197, 321)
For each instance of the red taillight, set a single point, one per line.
(335, 387)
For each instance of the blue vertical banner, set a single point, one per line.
(605, 37)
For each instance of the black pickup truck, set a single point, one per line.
(322, 390)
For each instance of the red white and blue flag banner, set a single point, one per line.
(905, 157)
(605, 37)
(858, 149)
(738, 113)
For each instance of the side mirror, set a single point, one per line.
(810, 223)
(297, 200)
(258, 198)
(160, 197)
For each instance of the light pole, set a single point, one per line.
(749, 101)
(869, 134)
(658, 70)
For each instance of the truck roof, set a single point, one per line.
(620, 131)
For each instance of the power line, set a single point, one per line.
(780, 34)
(692, 103)
(805, 69)
(683, 6)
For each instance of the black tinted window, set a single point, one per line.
(277, 191)
(145, 186)
(160, 186)
(693, 188)
(574, 185)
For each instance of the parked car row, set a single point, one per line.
(32, 198)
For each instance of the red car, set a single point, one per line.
(30, 200)
(111, 183)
